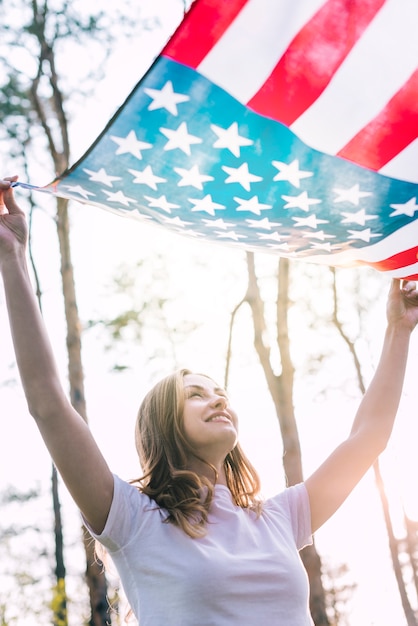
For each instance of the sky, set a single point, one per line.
(101, 242)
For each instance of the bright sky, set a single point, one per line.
(101, 241)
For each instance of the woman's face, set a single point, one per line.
(210, 425)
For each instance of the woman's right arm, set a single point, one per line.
(66, 435)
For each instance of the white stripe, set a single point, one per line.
(246, 54)
(378, 66)
(402, 239)
(405, 165)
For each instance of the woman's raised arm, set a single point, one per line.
(68, 438)
(330, 485)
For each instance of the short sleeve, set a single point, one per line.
(294, 502)
(125, 516)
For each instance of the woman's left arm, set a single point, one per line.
(333, 481)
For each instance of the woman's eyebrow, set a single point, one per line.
(218, 390)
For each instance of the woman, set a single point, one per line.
(192, 543)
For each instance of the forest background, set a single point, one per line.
(185, 291)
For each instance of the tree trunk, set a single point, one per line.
(394, 549)
(281, 390)
(59, 604)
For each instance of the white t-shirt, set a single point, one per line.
(245, 571)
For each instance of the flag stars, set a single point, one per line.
(146, 177)
(264, 223)
(192, 177)
(290, 172)
(101, 176)
(302, 201)
(353, 194)
(219, 223)
(318, 235)
(312, 221)
(161, 203)
(179, 139)
(241, 175)
(408, 208)
(360, 217)
(118, 197)
(272, 236)
(130, 145)
(362, 235)
(176, 222)
(252, 205)
(79, 190)
(231, 234)
(206, 204)
(165, 98)
(325, 247)
(230, 139)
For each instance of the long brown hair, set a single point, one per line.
(163, 452)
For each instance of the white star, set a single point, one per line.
(252, 205)
(407, 209)
(283, 247)
(363, 235)
(165, 98)
(130, 145)
(326, 247)
(179, 138)
(161, 203)
(231, 234)
(176, 221)
(264, 223)
(352, 195)
(80, 190)
(206, 204)
(272, 236)
(194, 233)
(290, 172)
(146, 177)
(360, 217)
(219, 223)
(302, 201)
(191, 177)
(241, 175)
(318, 235)
(310, 221)
(230, 139)
(118, 197)
(101, 177)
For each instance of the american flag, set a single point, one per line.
(287, 126)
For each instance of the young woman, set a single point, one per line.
(192, 542)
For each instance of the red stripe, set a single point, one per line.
(397, 261)
(390, 132)
(312, 58)
(203, 26)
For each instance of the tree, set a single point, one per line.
(281, 390)
(33, 108)
(410, 540)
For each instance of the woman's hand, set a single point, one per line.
(13, 226)
(402, 304)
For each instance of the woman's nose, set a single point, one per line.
(219, 402)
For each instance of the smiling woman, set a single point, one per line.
(194, 525)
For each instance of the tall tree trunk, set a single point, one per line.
(59, 604)
(394, 548)
(281, 390)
